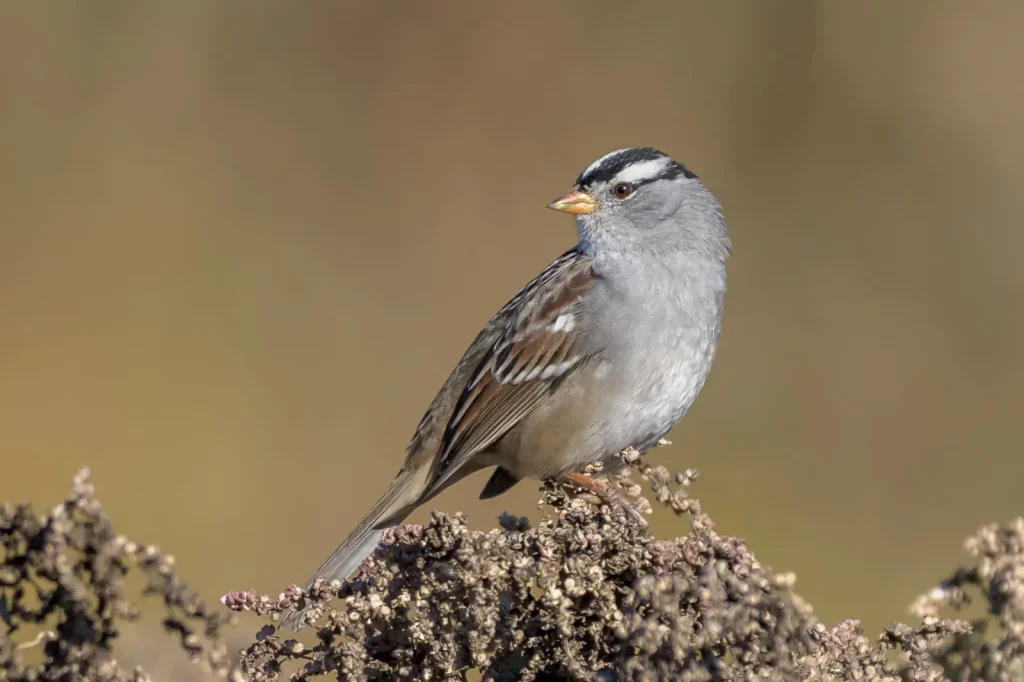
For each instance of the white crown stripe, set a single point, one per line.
(597, 164)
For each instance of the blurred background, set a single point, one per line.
(242, 244)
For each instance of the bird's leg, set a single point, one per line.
(605, 493)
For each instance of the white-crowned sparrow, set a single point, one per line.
(605, 349)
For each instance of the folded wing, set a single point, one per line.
(536, 347)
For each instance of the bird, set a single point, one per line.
(605, 349)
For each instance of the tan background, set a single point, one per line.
(241, 244)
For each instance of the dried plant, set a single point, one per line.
(994, 648)
(62, 588)
(586, 594)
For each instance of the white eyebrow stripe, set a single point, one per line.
(644, 170)
(594, 166)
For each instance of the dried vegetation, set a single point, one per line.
(585, 594)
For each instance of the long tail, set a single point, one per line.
(397, 502)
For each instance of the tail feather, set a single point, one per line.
(395, 504)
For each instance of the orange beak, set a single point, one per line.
(576, 202)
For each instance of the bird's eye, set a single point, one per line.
(622, 190)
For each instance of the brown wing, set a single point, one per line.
(536, 346)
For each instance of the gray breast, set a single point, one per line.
(658, 351)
